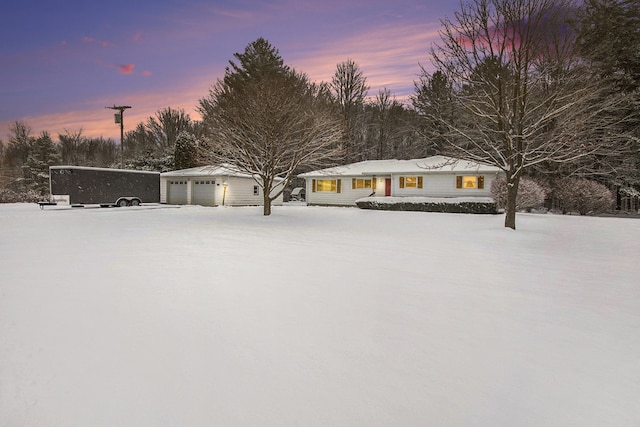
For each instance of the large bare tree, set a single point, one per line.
(520, 94)
(269, 121)
(349, 88)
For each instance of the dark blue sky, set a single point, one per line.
(64, 61)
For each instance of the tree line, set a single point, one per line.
(543, 89)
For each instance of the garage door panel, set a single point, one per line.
(204, 192)
(177, 192)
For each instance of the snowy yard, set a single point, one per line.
(314, 316)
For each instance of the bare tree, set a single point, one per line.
(349, 87)
(268, 120)
(70, 147)
(521, 97)
(167, 125)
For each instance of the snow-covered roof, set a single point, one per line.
(435, 164)
(209, 170)
(224, 169)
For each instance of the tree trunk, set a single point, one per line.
(510, 209)
(267, 204)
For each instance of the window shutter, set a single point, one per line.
(481, 182)
(339, 186)
(458, 182)
(313, 185)
(353, 183)
(402, 182)
(419, 182)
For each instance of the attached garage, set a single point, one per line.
(211, 186)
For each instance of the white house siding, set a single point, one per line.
(347, 195)
(163, 190)
(242, 192)
(442, 185)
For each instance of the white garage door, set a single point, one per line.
(177, 192)
(204, 191)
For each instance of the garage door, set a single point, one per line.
(204, 192)
(177, 192)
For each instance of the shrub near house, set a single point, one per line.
(530, 194)
(583, 196)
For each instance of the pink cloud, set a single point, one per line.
(147, 73)
(92, 40)
(137, 36)
(126, 68)
(389, 56)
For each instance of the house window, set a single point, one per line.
(256, 190)
(470, 182)
(410, 182)
(361, 183)
(326, 185)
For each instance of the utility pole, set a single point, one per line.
(119, 118)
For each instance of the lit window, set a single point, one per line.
(326, 185)
(361, 183)
(470, 182)
(410, 182)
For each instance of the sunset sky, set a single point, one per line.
(63, 62)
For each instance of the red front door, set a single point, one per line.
(387, 186)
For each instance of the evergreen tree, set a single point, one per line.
(44, 153)
(609, 36)
(185, 153)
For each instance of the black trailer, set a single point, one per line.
(80, 185)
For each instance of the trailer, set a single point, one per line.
(81, 185)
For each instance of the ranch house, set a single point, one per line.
(431, 177)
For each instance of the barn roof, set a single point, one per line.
(435, 164)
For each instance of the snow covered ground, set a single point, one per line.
(193, 316)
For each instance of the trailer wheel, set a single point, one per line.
(135, 202)
(122, 203)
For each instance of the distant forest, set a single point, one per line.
(484, 102)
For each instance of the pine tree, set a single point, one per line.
(185, 153)
(44, 153)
